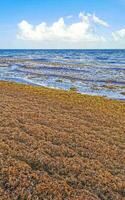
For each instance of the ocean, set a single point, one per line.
(93, 72)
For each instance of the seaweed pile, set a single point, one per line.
(60, 145)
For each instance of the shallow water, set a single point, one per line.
(95, 72)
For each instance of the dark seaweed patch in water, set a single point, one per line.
(101, 58)
(86, 80)
(118, 68)
(63, 69)
(40, 59)
(112, 68)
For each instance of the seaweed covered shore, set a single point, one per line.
(60, 145)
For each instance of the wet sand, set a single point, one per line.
(60, 145)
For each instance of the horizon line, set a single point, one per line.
(62, 49)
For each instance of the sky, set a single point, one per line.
(63, 24)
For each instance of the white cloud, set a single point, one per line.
(119, 35)
(93, 18)
(69, 17)
(100, 21)
(77, 32)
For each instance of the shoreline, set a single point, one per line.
(57, 144)
(71, 90)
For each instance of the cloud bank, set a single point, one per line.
(86, 29)
(119, 35)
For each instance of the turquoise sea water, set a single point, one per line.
(95, 72)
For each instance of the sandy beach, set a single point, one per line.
(60, 145)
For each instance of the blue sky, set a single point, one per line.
(16, 16)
